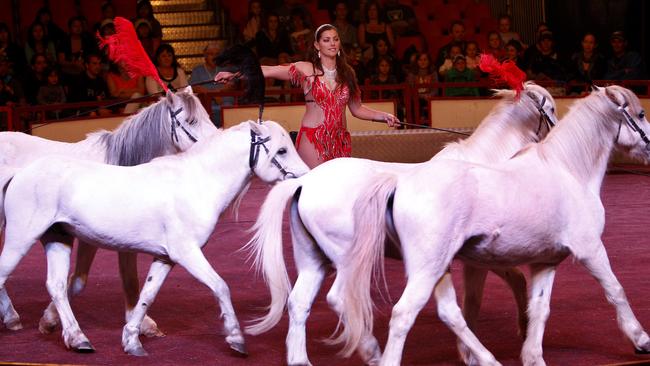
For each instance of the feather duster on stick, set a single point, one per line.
(125, 48)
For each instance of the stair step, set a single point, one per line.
(189, 48)
(192, 32)
(186, 18)
(161, 6)
(190, 62)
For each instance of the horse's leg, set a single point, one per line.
(598, 265)
(58, 265)
(76, 284)
(131, 286)
(450, 313)
(473, 282)
(369, 349)
(155, 278)
(517, 282)
(539, 308)
(192, 259)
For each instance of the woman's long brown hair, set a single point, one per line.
(344, 72)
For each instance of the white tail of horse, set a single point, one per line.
(266, 249)
(364, 262)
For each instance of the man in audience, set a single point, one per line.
(401, 18)
(206, 72)
(623, 64)
(90, 86)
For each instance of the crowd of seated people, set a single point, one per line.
(281, 32)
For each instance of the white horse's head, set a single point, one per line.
(632, 127)
(543, 101)
(188, 120)
(273, 156)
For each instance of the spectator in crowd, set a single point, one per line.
(301, 36)
(347, 31)
(35, 77)
(271, 41)
(542, 27)
(423, 72)
(107, 28)
(7, 97)
(373, 29)
(513, 52)
(454, 51)
(588, 64)
(546, 64)
(51, 30)
(354, 57)
(457, 33)
(207, 72)
(148, 42)
(122, 86)
(401, 18)
(254, 22)
(461, 74)
(472, 57)
(144, 11)
(623, 64)
(90, 86)
(168, 69)
(37, 42)
(384, 75)
(11, 86)
(381, 48)
(108, 13)
(505, 30)
(11, 51)
(74, 46)
(52, 92)
(495, 46)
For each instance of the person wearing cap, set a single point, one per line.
(623, 64)
(459, 73)
(546, 64)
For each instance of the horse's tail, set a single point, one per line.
(364, 261)
(266, 249)
(6, 174)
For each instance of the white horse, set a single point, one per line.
(168, 126)
(167, 208)
(322, 220)
(537, 208)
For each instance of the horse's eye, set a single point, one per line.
(642, 115)
(282, 151)
(553, 110)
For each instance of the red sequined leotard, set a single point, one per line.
(331, 139)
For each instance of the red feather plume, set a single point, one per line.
(124, 47)
(506, 72)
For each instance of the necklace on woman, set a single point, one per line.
(329, 76)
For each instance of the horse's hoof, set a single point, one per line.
(138, 351)
(14, 325)
(641, 351)
(152, 333)
(84, 347)
(45, 327)
(240, 348)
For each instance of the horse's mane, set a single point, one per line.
(503, 132)
(147, 134)
(584, 135)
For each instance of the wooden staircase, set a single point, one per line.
(188, 25)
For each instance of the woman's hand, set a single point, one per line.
(391, 120)
(225, 77)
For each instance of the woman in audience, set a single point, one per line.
(37, 42)
(35, 77)
(423, 72)
(122, 86)
(271, 41)
(373, 29)
(254, 22)
(168, 69)
(74, 46)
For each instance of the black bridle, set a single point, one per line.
(256, 142)
(176, 123)
(630, 122)
(543, 116)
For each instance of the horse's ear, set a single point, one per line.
(188, 90)
(614, 96)
(256, 127)
(533, 96)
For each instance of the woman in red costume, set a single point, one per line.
(329, 84)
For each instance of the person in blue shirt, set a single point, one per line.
(206, 72)
(623, 64)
